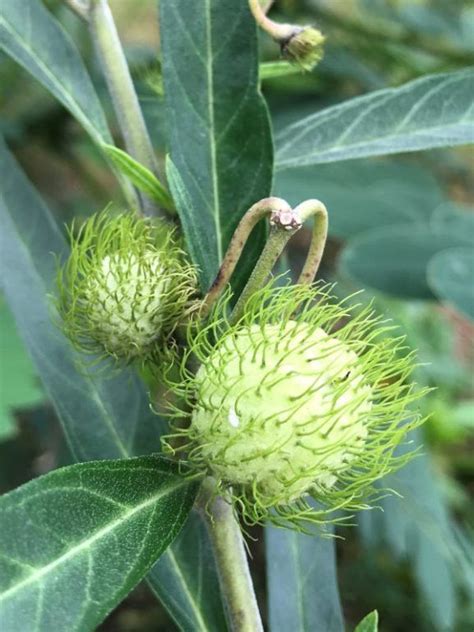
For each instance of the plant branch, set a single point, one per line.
(266, 6)
(284, 224)
(316, 209)
(258, 211)
(121, 88)
(279, 32)
(234, 576)
(274, 69)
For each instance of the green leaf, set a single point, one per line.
(417, 527)
(434, 111)
(374, 194)
(18, 382)
(220, 139)
(185, 579)
(280, 68)
(91, 408)
(370, 623)
(36, 40)
(394, 259)
(139, 175)
(450, 276)
(302, 582)
(454, 218)
(74, 542)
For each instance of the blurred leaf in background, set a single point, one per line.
(19, 387)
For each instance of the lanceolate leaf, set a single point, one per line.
(417, 527)
(102, 418)
(34, 38)
(220, 140)
(302, 583)
(91, 409)
(140, 176)
(434, 111)
(73, 543)
(370, 623)
(185, 580)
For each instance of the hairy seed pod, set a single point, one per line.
(292, 428)
(302, 397)
(124, 287)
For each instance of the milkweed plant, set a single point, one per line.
(278, 400)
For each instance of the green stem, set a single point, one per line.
(284, 225)
(234, 576)
(275, 245)
(274, 69)
(258, 211)
(316, 209)
(279, 32)
(121, 88)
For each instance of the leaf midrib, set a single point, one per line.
(184, 586)
(212, 130)
(318, 119)
(84, 545)
(298, 588)
(387, 92)
(283, 164)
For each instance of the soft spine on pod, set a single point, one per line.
(125, 286)
(302, 397)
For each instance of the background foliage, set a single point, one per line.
(401, 226)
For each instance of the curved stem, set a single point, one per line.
(121, 88)
(275, 245)
(280, 233)
(316, 209)
(279, 32)
(234, 576)
(266, 6)
(258, 211)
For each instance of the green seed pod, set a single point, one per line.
(304, 47)
(125, 286)
(302, 397)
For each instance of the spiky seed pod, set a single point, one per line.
(302, 397)
(125, 286)
(304, 47)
